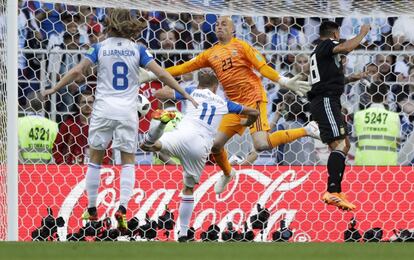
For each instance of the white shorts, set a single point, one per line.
(191, 148)
(122, 133)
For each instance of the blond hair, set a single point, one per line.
(120, 23)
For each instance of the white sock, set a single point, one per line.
(127, 183)
(155, 132)
(93, 178)
(185, 212)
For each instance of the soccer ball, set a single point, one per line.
(144, 106)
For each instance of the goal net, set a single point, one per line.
(276, 195)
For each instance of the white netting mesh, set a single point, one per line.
(54, 37)
(298, 8)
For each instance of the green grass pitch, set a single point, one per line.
(201, 251)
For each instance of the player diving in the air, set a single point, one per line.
(192, 140)
(235, 62)
(114, 115)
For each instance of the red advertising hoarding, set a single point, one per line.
(384, 197)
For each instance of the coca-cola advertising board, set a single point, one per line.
(384, 197)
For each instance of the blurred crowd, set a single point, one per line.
(53, 38)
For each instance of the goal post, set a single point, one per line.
(12, 115)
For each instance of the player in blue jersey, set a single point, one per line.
(114, 116)
(193, 138)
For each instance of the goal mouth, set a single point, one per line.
(276, 195)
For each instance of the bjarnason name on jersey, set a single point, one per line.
(118, 53)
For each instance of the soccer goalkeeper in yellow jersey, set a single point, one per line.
(234, 62)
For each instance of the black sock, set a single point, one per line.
(336, 167)
(122, 209)
(92, 211)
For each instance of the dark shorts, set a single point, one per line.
(326, 111)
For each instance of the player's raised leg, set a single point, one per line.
(221, 158)
(168, 143)
(263, 140)
(192, 150)
(158, 124)
(230, 125)
(266, 141)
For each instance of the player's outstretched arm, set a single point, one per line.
(198, 62)
(251, 114)
(164, 94)
(259, 63)
(146, 76)
(351, 44)
(72, 75)
(183, 68)
(194, 64)
(294, 84)
(167, 79)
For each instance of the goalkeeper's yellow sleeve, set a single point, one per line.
(179, 69)
(196, 63)
(269, 73)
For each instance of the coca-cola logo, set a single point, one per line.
(272, 192)
(292, 193)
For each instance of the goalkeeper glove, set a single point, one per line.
(146, 76)
(294, 84)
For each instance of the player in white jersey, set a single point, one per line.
(193, 138)
(114, 116)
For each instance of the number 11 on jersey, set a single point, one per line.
(204, 112)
